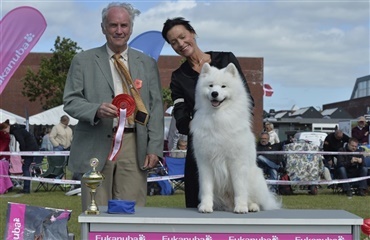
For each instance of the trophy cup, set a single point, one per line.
(92, 180)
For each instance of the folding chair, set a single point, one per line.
(176, 167)
(159, 187)
(55, 170)
(15, 169)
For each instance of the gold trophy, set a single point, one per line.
(92, 180)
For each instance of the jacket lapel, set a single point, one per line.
(102, 60)
(134, 63)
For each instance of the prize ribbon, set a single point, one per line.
(126, 106)
(125, 101)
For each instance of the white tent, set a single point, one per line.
(13, 118)
(51, 117)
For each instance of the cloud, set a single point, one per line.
(309, 47)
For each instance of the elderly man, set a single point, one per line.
(269, 163)
(361, 131)
(101, 83)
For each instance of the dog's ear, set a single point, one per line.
(206, 68)
(232, 69)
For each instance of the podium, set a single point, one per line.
(149, 223)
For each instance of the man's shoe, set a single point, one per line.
(24, 192)
(362, 193)
(349, 193)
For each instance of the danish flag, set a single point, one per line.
(267, 90)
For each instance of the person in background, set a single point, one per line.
(274, 138)
(46, 144)
(269, 163)
(361, 131)
(5, 182)
(93, 80)
(350, 166)
(182, 144)
(173, 134)
(61, 135)
(332, 143)
(27, 142)
(182, 37)
(5, 139)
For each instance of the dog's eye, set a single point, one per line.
(211, 85)
(223, 86)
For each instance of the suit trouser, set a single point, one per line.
(124, 179)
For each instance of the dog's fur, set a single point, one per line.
(224, 145)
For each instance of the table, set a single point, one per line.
(181, 223)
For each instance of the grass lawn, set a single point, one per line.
(326, 199)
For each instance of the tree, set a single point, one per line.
(47, 84)
(167, 100)
(166, 92)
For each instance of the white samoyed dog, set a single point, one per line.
(224, 145)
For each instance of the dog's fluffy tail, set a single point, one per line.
(272, 202)
(263, 196)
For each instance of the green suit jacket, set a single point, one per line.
(89, 84)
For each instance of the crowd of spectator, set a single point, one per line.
(348, 163)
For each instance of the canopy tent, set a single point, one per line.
(51, 117)
(13, 118)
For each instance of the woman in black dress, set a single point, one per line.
(181, 36)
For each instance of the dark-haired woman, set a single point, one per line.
(181, 36)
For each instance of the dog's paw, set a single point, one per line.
(253, 207)
(205, 208)
(241, 208)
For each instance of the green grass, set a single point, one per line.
(326, 199)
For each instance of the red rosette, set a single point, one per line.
(125, 101)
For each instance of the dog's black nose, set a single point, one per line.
(214, 94)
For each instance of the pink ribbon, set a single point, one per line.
(118, 137)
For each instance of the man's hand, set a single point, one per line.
(107, 110)
(151, 161)
(359, 160)
(356, 160)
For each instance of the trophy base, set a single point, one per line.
(92, 212)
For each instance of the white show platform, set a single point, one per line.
(181, 223)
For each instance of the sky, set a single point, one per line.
(313, 50)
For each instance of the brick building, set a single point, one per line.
(13, 101)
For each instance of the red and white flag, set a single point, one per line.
(267, 90)
(20, 30)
